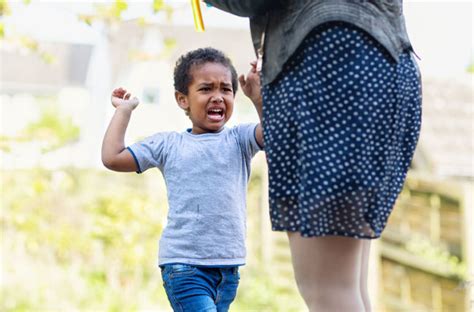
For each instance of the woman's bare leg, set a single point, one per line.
(327, 272)
(364, 274)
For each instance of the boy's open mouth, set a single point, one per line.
(215, 114)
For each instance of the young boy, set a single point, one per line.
(206, 169)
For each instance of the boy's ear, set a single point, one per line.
(182, 100)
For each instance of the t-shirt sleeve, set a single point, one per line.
(247, 139)
(150, 152)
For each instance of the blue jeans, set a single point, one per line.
(197, 289)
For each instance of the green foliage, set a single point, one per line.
(113, 11)
(109, 13)
(470, 68)
(5, 143)
(53, 129)
(436, 254)
(258, 292)
(85, 240)
(90, 242)
(158, 5)
(4, 8)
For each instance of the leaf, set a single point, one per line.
(4, 8)
(142, 22)
(121, 5)
(158, 5)
(88, 19)
(170, 43)
(118, 8)
(470, 68)
(48, 58)
(29, 43)
(53, 129)
(5, 144)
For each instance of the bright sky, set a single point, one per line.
(441, 31)
(442, 35)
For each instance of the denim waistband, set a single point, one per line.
(233, 269)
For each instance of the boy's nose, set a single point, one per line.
(217, 99)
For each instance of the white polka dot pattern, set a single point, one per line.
(341, 124)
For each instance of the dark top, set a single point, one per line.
(286, 23)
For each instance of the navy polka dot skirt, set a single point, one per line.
(341, 124)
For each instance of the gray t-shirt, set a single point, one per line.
(206, 176)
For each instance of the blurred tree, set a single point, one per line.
(112, 13)
(470, 68)
(107, 13)
(19, 41)
(95, 251)
(53, 129)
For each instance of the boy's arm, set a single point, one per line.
(259, 129)
(251, 88)
(114, 154)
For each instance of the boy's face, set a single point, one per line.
(210, 99)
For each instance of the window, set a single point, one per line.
(151, 95)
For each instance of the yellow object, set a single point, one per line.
(198, 23)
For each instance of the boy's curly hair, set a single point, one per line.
(184, 65)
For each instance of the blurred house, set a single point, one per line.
(79, 82)
(427, 250)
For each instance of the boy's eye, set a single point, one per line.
(204, 89)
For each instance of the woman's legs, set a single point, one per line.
(327, 271)
(364, 292)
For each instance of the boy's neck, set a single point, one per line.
(197, 130)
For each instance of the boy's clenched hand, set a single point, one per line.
(251, 88)
(121, 98)
(251, 84)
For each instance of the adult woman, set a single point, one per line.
(341, 116)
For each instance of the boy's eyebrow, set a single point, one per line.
(206, 84)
